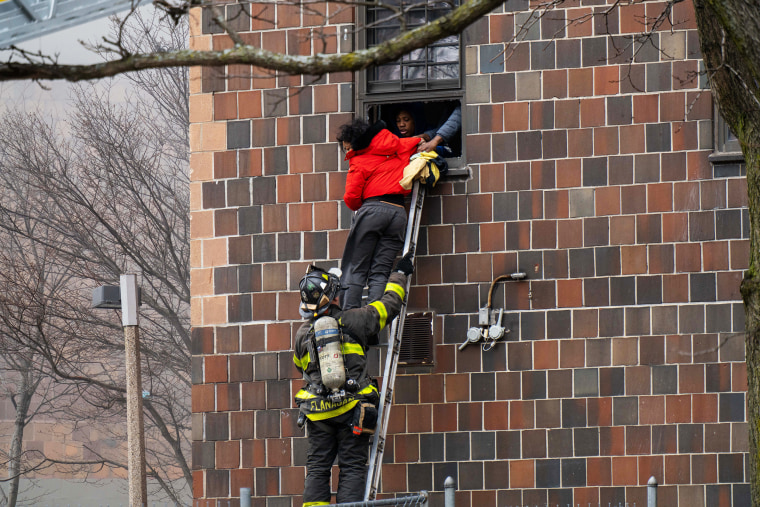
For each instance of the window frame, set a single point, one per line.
(363, 82)
(724, 149)
(366, 99)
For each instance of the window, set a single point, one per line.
(434, 67)
(427, 82)
(725, 144)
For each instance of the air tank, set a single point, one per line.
(331, 367)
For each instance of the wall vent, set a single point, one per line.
(417, 340)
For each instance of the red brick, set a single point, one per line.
(740, 254)
(677, 469)
(569, 173)
(580, 142)
(698, 165)
(444, 417)
(651, 409)
(622, 229)
(572, 354)
(606, 141)
(545, 355)
(394, 478)
(570, 293)
(300, 217)
(225, 106)
(496, 415)
(678, 349)
(592, 112)
(678, 408)
(606, 80)
(638, 440)
(645, 108)
(685, 136)
(608, 201)
(253, 453)
(492, 177)
(581, 82)
(688, 257)
(633, 259)
(631, 18)
(704, 408)
(227, 397)
(555, 83)
(275, 217)
(567, 113)
(521, 415)
(599, 471)
(556, 204)
(570, 234)
(288, 188)
(728, 285)
(227, 454)
(660, 197)
(675, 227)
(672, 106)
(632, 138)
(215, 369)
(516, 116)
(225, 164)
(715, 256)
(521, 473)
(624, 471)
(675, 288)
(203, 398)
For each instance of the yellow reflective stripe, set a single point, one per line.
(368, 389)
(302, 363)
(303, 394)
(382, 311)
(397, 289)
(352, 348)
(319, 416)
(314, 504)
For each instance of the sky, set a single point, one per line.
(66, 44)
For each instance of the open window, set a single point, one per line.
(427, 83)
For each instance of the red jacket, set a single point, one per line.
(376, 165)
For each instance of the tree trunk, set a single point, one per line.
(729, 33)
(22, 404)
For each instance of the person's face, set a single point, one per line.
(346, 146)
(405, 123)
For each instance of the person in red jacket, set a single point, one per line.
(376, 165)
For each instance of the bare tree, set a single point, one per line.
(102, 193)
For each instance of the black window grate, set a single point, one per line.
(417, 340)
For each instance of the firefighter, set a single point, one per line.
(339, 417)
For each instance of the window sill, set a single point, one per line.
(726, 157)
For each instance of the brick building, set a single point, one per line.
(607, 182)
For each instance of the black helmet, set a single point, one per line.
(318, 288)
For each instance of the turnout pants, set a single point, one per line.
(376, 237)
(327, 439)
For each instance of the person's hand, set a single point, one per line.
(429, 145)
(406, 263)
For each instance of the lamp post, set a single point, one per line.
(104, 297)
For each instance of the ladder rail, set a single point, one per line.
(394, 347)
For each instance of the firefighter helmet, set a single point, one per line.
(318, 288)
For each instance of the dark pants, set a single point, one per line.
(376, 237)
(327, 439)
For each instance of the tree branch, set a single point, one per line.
(38, 69)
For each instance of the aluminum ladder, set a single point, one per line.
(392, 355)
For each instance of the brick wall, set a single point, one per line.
(625, 356)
